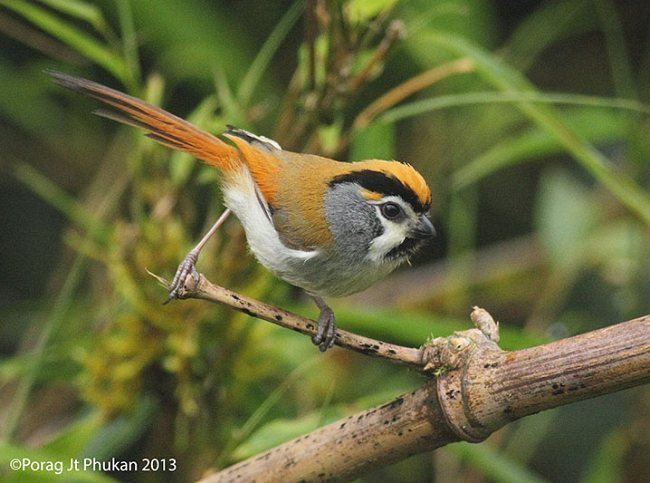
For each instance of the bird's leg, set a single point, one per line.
(187, 266)
(326, 333)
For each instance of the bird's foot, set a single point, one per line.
(326, 333)
(186, 267)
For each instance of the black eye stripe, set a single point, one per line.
(382, 183)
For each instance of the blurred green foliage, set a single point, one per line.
(535, 145)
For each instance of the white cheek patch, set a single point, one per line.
(394, 234)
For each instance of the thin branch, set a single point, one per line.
(27, 35)
(206, 290)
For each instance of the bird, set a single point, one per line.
(329, 227)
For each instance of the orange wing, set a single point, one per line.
(263, 166)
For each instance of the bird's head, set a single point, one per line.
(378, 210)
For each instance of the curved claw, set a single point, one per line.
(185, 268)
(326, 333)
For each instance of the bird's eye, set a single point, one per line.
(391, 210)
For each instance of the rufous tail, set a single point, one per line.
(165, 128)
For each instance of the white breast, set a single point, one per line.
(242, 196)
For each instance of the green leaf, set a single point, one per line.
(551, 22)
(60, 200)
(607, 464)
(64, 301)
(617, 248)
(129, 42)
(492, 464)
(565, 217)
(70, 442)
(270, 47)
(616, 49)
(595, 125)
(232, 109)
(376, 141)
(359, 11)
(55, 364)
(70, 35)
(121, 432)
(50, 128)
(474, 98)
(510, 81)
(243, 433)
(330, 134)
(79, 9)
(527, 435)
(194, 40)
(472, 19)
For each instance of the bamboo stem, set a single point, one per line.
(490, 389)
(478, 389)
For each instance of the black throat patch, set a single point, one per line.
(382, 183)
(405, 249)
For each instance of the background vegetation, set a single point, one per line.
(529, 119)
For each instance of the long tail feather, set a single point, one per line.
(165, 128)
